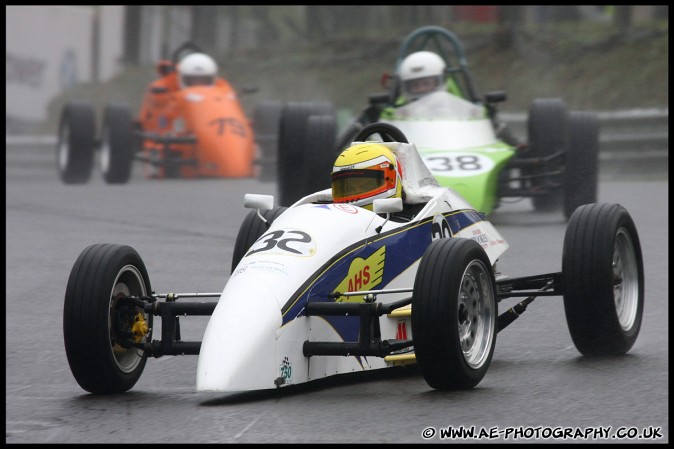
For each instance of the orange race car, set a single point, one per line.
(190, 124)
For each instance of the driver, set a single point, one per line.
(365, 172)
(421, 73)
(197, 69)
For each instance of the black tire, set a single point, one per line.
(603, 279)
(252, 229)
(266, 122)
(548, 134)
(455, 281)
(76, 142)
(95, 320)
(581, 161)
(290, 166)
(118, 144)
(320, 152)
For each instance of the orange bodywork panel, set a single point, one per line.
(199, 131)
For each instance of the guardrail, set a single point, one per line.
(631, 142)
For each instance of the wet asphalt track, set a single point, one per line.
(185, 232)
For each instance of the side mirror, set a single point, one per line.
(249, 90)
(387, 205)
(385, 77)
(255, 201)
(496, 96)
(259, 202)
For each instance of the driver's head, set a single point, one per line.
(365, 172)
(197, 69)
(422, 73)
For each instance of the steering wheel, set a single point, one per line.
(388, 133)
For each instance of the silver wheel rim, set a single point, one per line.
(129, 282)
(625, 279)
(476, 314)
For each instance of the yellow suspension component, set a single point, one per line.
(401, 359)
(401, 311)
(139, 328)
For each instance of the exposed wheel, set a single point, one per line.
(98, 324)
(172, 164)
(252, 229)
(76, 142)
(293, 131)
(266, 122)
(454, 314)
(547, 133)
(603, 279)
(582, 161)
(118, 144)
(319, 152)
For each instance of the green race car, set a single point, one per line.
(459, 135)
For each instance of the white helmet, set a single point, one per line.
(421, 73)
(197, 69)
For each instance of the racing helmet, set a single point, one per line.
(197, 69)
(422, 73)
(365, 172)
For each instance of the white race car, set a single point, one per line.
(322, 288)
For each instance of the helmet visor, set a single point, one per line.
(422, 85)
(197, 80)
(353, 185)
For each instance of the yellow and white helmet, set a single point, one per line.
(365, 172)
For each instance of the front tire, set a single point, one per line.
(454, 314)
(266, 121)
(603, 279)
(96, 321)
(293, 144)
(252, 229)
(319, 152)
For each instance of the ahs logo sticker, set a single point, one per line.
(364, 274)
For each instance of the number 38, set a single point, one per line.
(448, 163)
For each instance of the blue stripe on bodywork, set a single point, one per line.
(404, 246)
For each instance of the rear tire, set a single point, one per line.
(547, 134)
(118, 144)
(76, 142)
(603, 279)
(582, 161)
(454, 314)
(95, 321)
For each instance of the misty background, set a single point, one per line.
(594, 57)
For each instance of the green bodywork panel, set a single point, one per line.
(480, 189)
